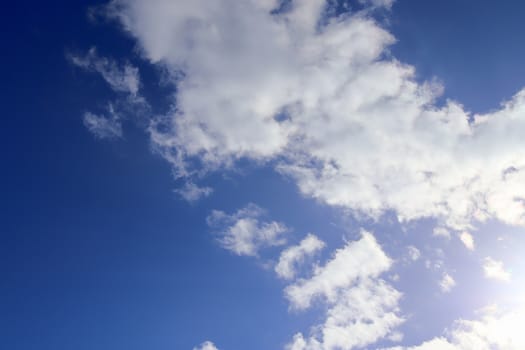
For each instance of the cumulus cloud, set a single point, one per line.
(294, 255)
(446, 283)
(208, 345)
(362, 308)
(494, 269)
(495, 330)
(467, 239)
(244, 233)
(349, 123)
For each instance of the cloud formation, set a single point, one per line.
(121, 78)
(362, 308)
(295, 255)
(346, 121)
(495, 330)
(446, 283)
(494, 269)
(244, 233)
(103, 127)
(207, 345)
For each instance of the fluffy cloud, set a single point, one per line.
(446, 283)
(208, 345)
(362, 308)
(294, 255)
(413, 253)
(467, 239)
(495, 330)
(494, 269)
(244, 233)
(349, 123)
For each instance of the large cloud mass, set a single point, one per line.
(321, 94)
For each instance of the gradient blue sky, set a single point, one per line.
(100, 251)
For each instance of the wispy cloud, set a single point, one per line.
(103, 127)
(192, 192)
(121, 78)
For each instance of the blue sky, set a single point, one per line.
(306, 175)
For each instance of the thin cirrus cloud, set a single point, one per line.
(123, 79)
(359, 132)
(103, 127)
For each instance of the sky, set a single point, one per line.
(263, 174)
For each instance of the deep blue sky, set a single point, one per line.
(95, 246)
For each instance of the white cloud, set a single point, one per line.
(360, 259)
(446, 283)
(294, 255)
(208, 345)
(103, 127)
(355, 129)
(192, 192)
(441, 232)
(467, 239)
(495, 330)
(494, 269)
(413, 253)
(244, 233)
(362, 308)
(121, 78)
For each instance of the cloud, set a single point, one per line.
(103, 127)
(494, 269)
(495, 330)
(360, 259)
(244, 233)
(362, 308)
(446, 283)
(208, 345)
(294, 255)
(441, 232)
(413, 253)
(467, 239)
(323, 98)
(121, 78)
(192, 193)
